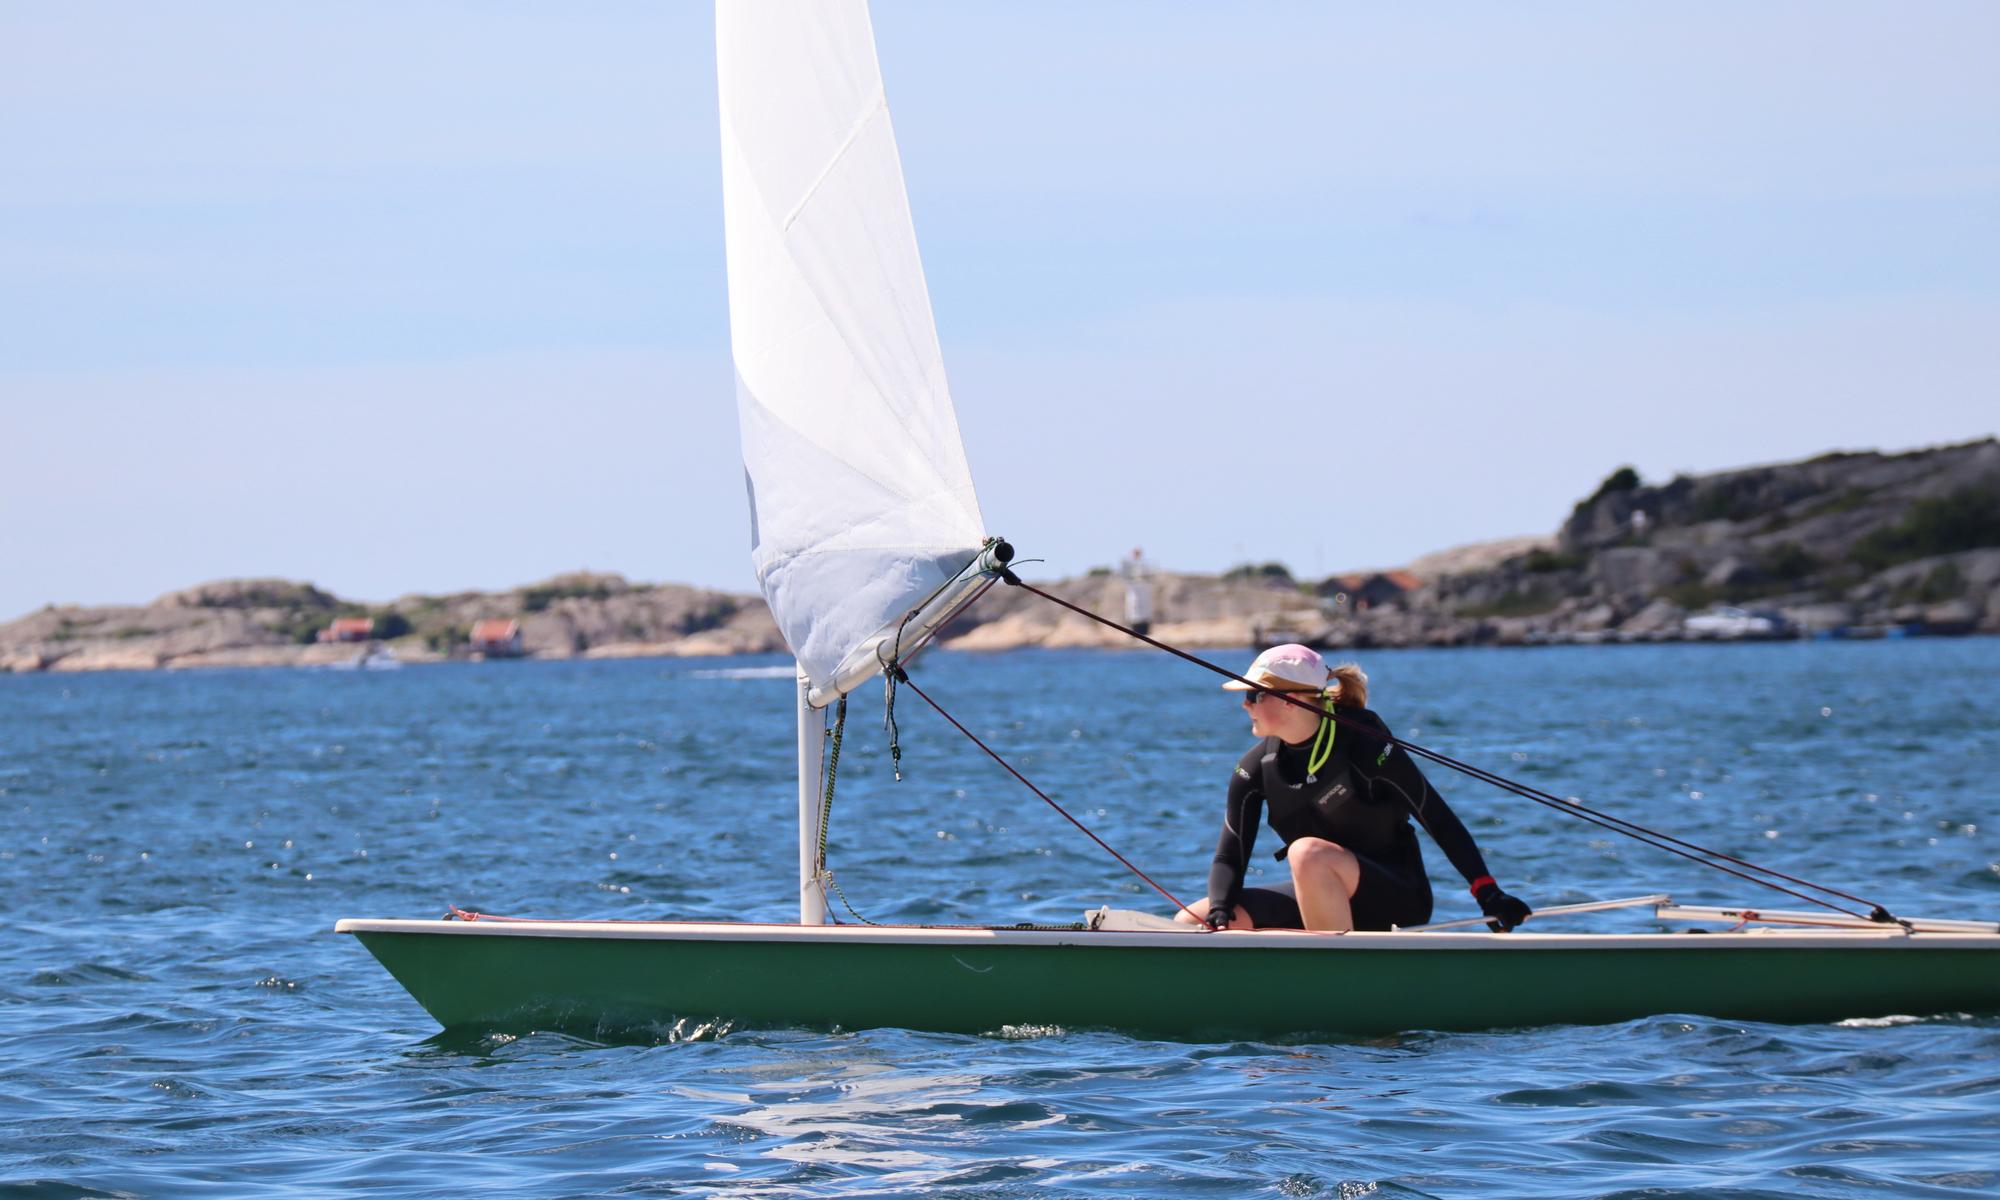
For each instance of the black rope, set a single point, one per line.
(974, 738)
(889, 722)
(891, 670)
(1640, 833)
(893, 664)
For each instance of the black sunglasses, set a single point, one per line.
(1252, 695)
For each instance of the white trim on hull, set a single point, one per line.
(1272, 939)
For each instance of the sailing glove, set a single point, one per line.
(1219, 916)
(1503, 912)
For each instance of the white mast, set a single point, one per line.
(812, 755)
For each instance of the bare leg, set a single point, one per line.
(1324, 876)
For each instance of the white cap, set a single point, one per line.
(1287, 668)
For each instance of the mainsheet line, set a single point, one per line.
(903, 678)
(1713, 859)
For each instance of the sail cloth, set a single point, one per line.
(861, 504)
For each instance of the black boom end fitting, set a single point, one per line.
(994, 557)
(1883, 916)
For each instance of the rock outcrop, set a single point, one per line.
(1840, 542)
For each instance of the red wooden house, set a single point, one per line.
(496, 637)
(349, 629)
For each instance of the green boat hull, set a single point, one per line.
(599, 979)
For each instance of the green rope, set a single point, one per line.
(844, 901)
(820, 872)
(1323, 740)
(832, 772)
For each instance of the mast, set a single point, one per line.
(812, 752)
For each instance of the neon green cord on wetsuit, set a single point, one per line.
(1323, 740)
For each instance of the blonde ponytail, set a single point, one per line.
(1350, 686)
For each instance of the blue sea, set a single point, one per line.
(178, 1018)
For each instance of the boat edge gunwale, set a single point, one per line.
(1228, 941)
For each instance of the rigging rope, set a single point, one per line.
(897, 656)
(904, 678)
(820, 872)
(1691, 851)
(892, 669)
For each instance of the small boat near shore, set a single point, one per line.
(375, 658)
(1736, 624)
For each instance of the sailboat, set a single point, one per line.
(867, 536)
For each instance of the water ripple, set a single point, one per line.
(176, 1019)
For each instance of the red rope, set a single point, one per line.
(906, 681)
(462, 914)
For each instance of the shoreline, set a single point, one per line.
(316, 658)
(1853, 546)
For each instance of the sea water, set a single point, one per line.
(177, 1018)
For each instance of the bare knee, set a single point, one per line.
(1318, 853)
(1312, 856)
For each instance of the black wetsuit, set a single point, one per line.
(1362, 798)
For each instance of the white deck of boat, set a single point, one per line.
(1272, 939)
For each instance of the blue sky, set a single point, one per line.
(422, 297)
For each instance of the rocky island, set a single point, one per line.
(1856, 544)
(280, 622)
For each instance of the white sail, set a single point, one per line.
(861, 504)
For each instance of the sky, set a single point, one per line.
(425, 297)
